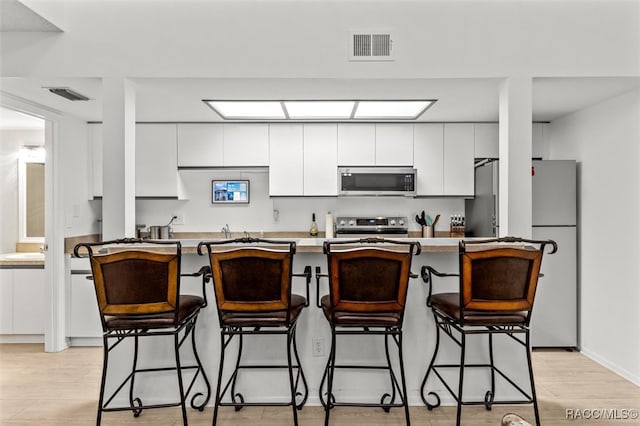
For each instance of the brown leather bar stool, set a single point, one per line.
(498, 279)
(368, 281)
(137, 286)
(252, 281)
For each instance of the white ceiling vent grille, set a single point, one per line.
(370, 46)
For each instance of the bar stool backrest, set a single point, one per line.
(369, 279)
(135, 280)
(502, 279)
(252, 279)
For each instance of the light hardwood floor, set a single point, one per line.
(38, 388)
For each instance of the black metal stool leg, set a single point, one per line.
(404, 382)
(429, 369)
(330, 370)
(176, 344)
(460, 384)
(291, 382)
(533, 386)
(490, 395)
(391, 376)
(105, 363)
(220, 370)
(305, 395)
(199, 370)
(324, 378)
(236, 371)
(133, 400)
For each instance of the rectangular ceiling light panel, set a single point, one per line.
(248, 110)
(407, 110)
(310, 110)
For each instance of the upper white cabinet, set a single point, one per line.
(538, 139)
(303, 160)
(286, 159)
(246, 145)
(458, 160)
(200, 145)
(369, 144)
(356, 144)
(428, 150)
(95, 158)
(156, 161)
(487, 140)
(394, 144)
(320, 159)
(444, 159)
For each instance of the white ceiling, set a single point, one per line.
(180, 100)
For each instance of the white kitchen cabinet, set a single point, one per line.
(458, 160)
(28, 301)
(83, 318)
(6, 301)
(22, 301)
(286, 159)
(428, 146)
(95, 158)
(200, 145)
(394, 144)
(246, 145)
(320, 159)
(157, 161)
(356, 144)
(537, 140)
(486, 140)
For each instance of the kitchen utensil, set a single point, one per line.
(419, 220)
(422, 216)
(435, 221)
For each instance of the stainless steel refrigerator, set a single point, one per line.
(555, 314)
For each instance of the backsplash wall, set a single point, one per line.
(280, 214)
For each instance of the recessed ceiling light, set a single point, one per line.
(248, 110)
(341, 110)
(319, 109)
(391, 109)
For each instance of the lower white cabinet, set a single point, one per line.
(83, 319)
(22, 293)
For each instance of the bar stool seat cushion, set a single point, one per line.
(188, 305)
(449, 304)
(362, 319)
(265, 319)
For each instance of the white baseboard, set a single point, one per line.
(611, 366)
(22, 338)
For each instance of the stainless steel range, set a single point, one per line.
(372, 226)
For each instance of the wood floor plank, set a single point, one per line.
(47, 389)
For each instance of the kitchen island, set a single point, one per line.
(313, 334)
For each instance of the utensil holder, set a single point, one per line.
(427, 232)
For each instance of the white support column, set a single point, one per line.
(515, 114)
(119, 155)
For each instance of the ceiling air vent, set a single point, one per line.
(370, 46)
(67, 93)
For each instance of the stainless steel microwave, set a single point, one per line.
(377, 181)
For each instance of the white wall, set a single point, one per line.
(604, 139)
(10, 143)
(294, 212)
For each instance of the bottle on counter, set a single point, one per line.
(313, 231)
